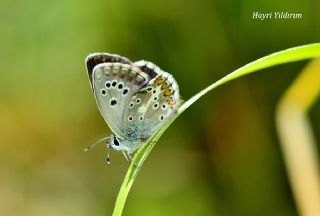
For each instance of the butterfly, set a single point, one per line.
(134, 98)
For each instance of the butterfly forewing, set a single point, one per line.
(98, 58)
(114, 84)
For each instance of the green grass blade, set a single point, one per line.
(281, 57)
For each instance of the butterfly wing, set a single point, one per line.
(135, 99)
(113, 85)
(151, 106)
(97, 58)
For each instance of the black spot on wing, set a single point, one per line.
(113, 102)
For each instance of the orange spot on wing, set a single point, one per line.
(170, 102)
(167, 93)
(165, 85)
(159, 80)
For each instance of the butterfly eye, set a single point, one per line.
(116, 141)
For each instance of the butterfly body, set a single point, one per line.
(134, 98)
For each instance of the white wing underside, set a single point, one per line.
(134, 99)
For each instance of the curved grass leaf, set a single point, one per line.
(281, 57)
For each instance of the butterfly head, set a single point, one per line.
(124, 145)
(113, 143)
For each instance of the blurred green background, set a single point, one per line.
(221, 157)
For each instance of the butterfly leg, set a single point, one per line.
(126, 156)
(130, 159)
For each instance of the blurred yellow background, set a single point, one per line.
(221, 157)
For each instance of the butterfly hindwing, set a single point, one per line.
(152, 105)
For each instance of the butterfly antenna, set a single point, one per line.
(108, 157)
(88, 148)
